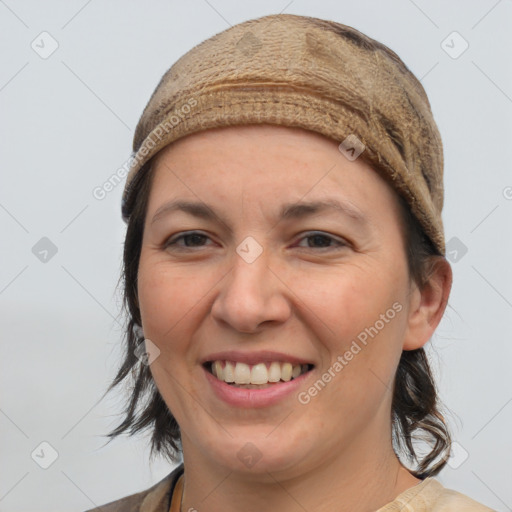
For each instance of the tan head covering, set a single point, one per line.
(310, 73)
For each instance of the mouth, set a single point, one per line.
(255, 376)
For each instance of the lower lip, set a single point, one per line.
(251, 398)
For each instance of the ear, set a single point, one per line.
(427, 305)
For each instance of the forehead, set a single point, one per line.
(264, 165)
(247, 145)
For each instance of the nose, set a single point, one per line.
(251, 294)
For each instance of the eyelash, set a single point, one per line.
(173, 240)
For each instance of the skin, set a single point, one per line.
(304, 296)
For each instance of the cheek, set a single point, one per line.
(352, 300)
(366, 319)
(172, 300)
(168, 301)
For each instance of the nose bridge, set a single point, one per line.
(250, 294)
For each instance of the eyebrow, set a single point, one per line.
(288, 211)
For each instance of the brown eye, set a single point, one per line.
(323, 241)
(191, 239)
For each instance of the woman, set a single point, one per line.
(284, 267)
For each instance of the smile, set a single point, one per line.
(255, 376)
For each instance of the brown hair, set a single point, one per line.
(415, 411)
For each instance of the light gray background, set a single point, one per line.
(66, 126)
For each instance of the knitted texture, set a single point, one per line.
(309, 73)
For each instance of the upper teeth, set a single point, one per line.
(261, 373)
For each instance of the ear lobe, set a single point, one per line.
(427, 305)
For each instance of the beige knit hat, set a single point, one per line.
(310, 73)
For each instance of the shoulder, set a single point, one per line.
(445, 500)
(431, 496)
(154, 499)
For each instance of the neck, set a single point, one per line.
(364, 478)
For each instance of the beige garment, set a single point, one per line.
(427, 496)
(430, 495)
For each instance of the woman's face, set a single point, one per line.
(245, 275)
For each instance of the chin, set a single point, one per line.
(258, 452)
